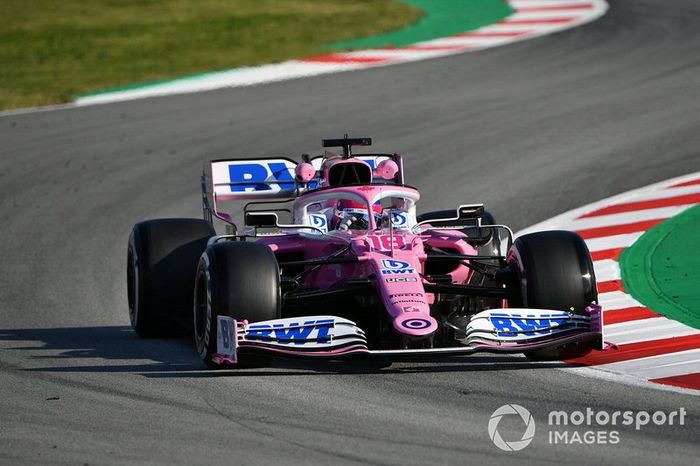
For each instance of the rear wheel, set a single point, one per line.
(162, 258)
(554, 270)
(238, 280)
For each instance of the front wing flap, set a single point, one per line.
(310, 336)
(330, 337)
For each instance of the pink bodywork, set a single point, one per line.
(401, 289)
(392, 258)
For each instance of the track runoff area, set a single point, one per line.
(530, 18)
(643, 244)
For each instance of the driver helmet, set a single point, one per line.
(353, 215)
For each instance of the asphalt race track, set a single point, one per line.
(531, 129)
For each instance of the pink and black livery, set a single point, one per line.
(332, 260)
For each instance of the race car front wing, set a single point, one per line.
(495, 330)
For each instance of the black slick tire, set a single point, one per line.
(553, 270)
(162, 257)
(238, 280)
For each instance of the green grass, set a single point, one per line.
(443, 18)
(53, 50)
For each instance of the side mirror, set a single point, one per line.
(304, 172)
(470, 212)
(387, 169)
(261, 219)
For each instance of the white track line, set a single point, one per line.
(611, 242)
(545, 15)
(626, 217)
(660, 193)
(606, 270)
(617, 300)
(665, 365)
(646, 330)
(468, 41)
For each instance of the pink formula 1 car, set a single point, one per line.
(333, 261)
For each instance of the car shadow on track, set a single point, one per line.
(290, 368)
(118, 349)
(96, 349)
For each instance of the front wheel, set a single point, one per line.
(238, 280)
(553, 270)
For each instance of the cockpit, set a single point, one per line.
(346, 210)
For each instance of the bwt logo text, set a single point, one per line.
(297, 333)
(511, 325)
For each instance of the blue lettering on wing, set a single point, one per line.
(282, 173)
(558, 319)
(324, 327)
(531, 327)
(295, 333)
(259, 332)
(512, 324)
(371, 161)
(503, 323)
(248, 175)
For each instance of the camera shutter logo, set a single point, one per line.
(529, 427)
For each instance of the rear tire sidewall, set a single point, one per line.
(162, 256)
(133, 279)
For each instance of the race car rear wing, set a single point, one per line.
(269, 178)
